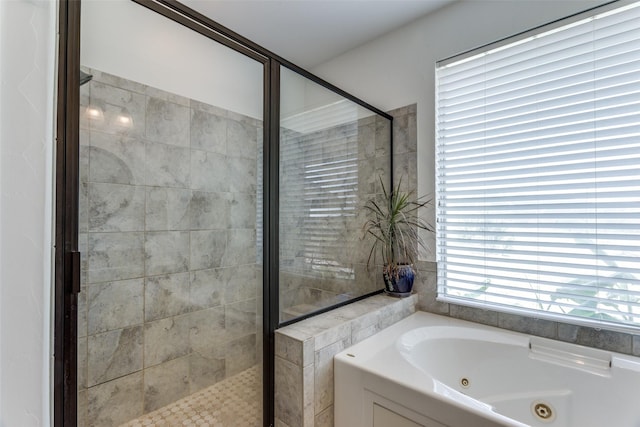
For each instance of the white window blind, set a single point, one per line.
(538, 173)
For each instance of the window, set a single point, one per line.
(538, 172)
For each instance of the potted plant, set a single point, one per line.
(394, 224)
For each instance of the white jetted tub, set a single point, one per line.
(429, 370)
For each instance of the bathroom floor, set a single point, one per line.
(235, 401)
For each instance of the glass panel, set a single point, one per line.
(169, 324)
(333, 153)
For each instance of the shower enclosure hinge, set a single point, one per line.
(74, 269)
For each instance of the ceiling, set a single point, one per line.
(310, 32)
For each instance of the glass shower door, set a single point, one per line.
(334, 154)
(169, 323)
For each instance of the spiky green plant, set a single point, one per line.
(395, 226)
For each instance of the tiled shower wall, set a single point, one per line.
(362, 146)
(170, 282)
(405, 165)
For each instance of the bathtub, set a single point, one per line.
(434, 371)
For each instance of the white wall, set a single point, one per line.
(123, 38)
(27, 54)
(398, 69)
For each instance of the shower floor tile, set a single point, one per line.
(233, 402)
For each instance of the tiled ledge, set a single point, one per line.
(425, 287)
(304, 356)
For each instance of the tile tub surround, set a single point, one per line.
(425, 287)
(304, 356)
(168, 228)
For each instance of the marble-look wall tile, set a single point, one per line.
(389, 315)
(84, 140)
(241, 139)
(240, 318)
(83, 176)
(116, 159)
(115, 402)
(207, 333)
(366, 141)
(605, 340)
(207, 249)
(167, 122)
(163, 95)
(166, 296)
(252, 121)
(211, 109)
(114, 103)
(207, 288)
(308, 396)
(241, 247)
(83, 408)
(240, 354)
(83, 247)
(166, 383)
(204, 371)
(369, 173)
(115, 207)
(114, 354)
(364, 327)
(280, 423)
(82, 363)
(242, 211)
(289, 386)
(209, 211)
(84, 103)
(208, 132)
(167, 209)
(115, 256)
(299, 352)
(425, 286)
(166, 252)
(82, 307)
(341, 331)
(167, 166)
(323, 373)
(325, 418)
(240, 283)
(405, 166)
(404, 133)
(166, 339)
(383, 136)
(115, 305)
(83, 206)
(528, 325)
(210, 172)
(478, 315)
(241, 175)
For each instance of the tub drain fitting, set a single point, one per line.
(543, 411)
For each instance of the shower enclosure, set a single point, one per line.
(216, 198)
(170, 177)
(333, 155)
